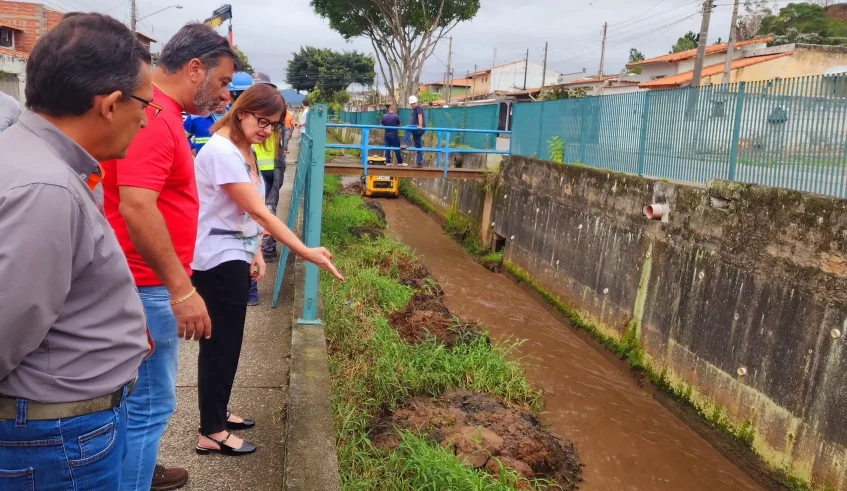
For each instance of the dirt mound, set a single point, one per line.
(371, 231)
(426, 316)
(485, 433)
(375, 207)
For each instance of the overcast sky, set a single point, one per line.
(269, 30)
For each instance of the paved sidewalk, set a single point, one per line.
(260, 392)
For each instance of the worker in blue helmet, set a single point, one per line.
(241, 81)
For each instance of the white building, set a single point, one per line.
(517, 75)
(13, 73)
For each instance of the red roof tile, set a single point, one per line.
(12, 52)
(691, 53)
(687, 77)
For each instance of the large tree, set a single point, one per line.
(749, 23)
(403, 33)
(245, 62)
(634, 56)
(689, 41)
(803, 22)
(327, 72)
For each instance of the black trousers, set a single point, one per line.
(224, 288)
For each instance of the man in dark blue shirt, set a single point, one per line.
(419, 120)
(392, 138)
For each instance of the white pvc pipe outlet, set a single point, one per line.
(655, 211)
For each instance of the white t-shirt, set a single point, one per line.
(304, 117)
(225, 232)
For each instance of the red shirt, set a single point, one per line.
(159, 159)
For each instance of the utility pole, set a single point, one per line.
(526, 69)
(133, 15)
(603, 49)
(473, 85)
(494, 59)
(727, 69)
(449, 80)
(544, 73)
(701, 45)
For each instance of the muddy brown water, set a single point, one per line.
(627, 440)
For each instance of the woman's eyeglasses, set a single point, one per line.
(145, 103)
(265, 122)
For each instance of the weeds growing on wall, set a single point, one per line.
(373, 370)
(556, 146)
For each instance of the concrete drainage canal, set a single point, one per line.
(625, 438)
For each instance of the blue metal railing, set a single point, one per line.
(308, 187)
(442, 148)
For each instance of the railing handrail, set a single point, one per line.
(413, 127)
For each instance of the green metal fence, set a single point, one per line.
(789, 133)
(484, 117)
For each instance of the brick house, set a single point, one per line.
(21, 25)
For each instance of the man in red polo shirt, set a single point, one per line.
(151, 202)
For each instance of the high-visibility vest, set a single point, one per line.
(266, 153)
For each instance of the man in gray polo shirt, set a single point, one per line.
(71, 321)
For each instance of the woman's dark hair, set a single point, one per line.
(260, 99)
(196, 41)
(85, 55)
(305, 102)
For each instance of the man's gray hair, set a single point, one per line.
(196, 41)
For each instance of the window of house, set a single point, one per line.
(7, 38)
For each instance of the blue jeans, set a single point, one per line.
(393, 141)
(154, 399)
(78, 454)
(418, 136)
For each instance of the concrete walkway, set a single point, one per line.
(260, 392)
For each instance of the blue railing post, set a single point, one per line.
(736, 132)
(446, 152)
(438, 145)
(366, 140)
(642, 143)
(313, 210)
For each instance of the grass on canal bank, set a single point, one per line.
(374, 371)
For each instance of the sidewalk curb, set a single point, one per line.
(311, 461)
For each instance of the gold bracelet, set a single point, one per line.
(183, 299)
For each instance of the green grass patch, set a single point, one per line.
(414, 197)
(373, 370)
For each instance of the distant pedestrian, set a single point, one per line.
(233, 215)
(72, 325)
(10, 110)
(392, 138)
(152, 203)
(418, 120)
(303, 122)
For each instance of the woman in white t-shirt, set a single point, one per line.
(233, 216)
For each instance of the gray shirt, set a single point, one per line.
(72, 326)
(10, 111)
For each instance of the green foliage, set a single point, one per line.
(357, 18)
(556, 147)
(374, 370)
(803, 23)
(414, 197)
(245, 62)
(328, 71)
(754, 12)
(686, 42)
(557, 92)
(634, 56)
(428, 96)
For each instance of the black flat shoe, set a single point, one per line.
(248, 424)
(246, 448)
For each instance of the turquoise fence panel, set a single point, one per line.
(789, 133)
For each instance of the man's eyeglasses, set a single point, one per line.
(145, 103)
(265, 122)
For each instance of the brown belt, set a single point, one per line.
(38, 411)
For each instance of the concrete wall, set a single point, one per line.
(15, 83)
(739, 277)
